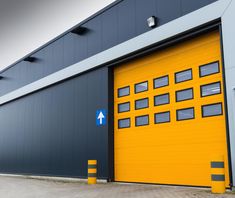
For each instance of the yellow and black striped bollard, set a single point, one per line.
(92, 171)
(218, 176)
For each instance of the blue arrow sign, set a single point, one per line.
(101, 117)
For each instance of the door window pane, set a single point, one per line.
(209, 69)
(212, 110)
(124, 107)
(125, 91)
(140, 87)
(142, 103)
(161, 99)
(142, 120)
(161, 82)
(186, 94)
(185, 114)
(183, 76)
(124, 123)
(162, 117)
(210, 89)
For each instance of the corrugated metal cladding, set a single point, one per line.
(52, 131)
(119, 23)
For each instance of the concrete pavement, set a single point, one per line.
(13, 187)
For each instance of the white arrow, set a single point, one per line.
(101, 117)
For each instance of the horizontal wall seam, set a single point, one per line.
(207, 14)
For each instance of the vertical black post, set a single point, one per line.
(111, 124)
(226, 110)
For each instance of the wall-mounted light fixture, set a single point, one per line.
(79, 30)
(152, 21)
(30, 59)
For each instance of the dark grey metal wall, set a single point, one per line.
(117, 24)
(53, 132)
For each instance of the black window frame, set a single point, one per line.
(160, 78)
(210, 94)
(184, 90)
(181, 72)
(211, 105)
(161, 95)
(141, 83)
(122, 104)
(162, 113)
(207, 65)
(186, 118)
(140, 100)
(124, 88)
(140, 117)
(122, 120)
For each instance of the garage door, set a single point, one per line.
(169, 114)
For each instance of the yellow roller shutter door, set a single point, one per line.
(169, 114)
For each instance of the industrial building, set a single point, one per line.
(146, 88)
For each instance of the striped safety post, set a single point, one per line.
(218, 175)
(92, 171)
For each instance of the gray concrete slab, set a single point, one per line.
(11, 187)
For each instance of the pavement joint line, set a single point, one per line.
(48, 178)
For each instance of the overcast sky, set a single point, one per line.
(28, 24)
